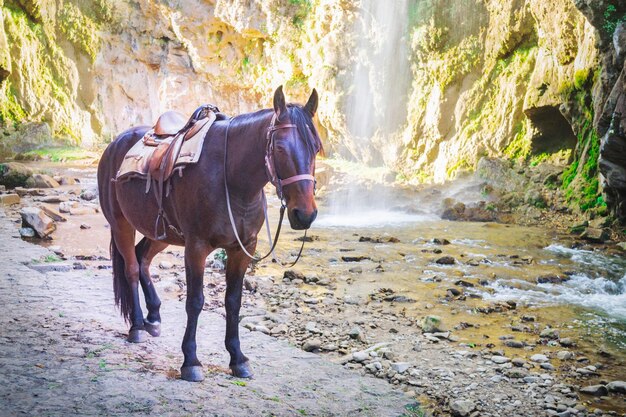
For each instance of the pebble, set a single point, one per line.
(431, 324)
(461, 408)
(446, 260)
(88, 195)
(617, 386)
(595, 390)
(500, 359)
(514, 344)
(360, 356)
(166, 265)
(356, 333)
(549, 333)
(539, 358)
(564, 355)
(400, 367)
(312, 345)
(27, 232)
(519, 362)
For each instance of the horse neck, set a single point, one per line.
(246, 156)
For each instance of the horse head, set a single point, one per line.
(293, 144)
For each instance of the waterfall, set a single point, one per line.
(377, 87)
(379, 81)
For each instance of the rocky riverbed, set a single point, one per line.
(467, 318)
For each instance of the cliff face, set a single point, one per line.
(521, 79)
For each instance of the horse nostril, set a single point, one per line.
(303, 219)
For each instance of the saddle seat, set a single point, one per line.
(169, 123)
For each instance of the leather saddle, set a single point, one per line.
(173, 143)
(168, 135)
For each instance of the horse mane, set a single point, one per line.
(299, 117)
(302, 119)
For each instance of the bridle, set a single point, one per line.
(275, 180)
(270, 164)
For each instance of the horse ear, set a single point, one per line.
(311, 105)
(280, 108)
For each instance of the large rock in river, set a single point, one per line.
(36, 219)
(14, 174)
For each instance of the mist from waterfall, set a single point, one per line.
(377, 90)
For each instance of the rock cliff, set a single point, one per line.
(527, 80)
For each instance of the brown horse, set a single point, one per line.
(197, 207)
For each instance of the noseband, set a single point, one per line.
(270, 163)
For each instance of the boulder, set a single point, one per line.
(14, 174)
(36, 219)
(8, 199)
(595, 235)
(42, 181)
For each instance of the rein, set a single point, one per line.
(270, 169)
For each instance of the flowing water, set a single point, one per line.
(580, 291)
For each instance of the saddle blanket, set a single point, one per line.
(137, 163)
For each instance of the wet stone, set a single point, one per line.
(446, 260)
(549, 333)
(595, 390)
(617, 387)
(539, 358)
(514, 344)
(499, 359)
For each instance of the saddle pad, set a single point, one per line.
(137, 160)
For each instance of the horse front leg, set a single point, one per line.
(195, 257)
(236, 266)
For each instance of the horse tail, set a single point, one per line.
(121, 287)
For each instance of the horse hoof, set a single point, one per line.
(192, 373)
(137, 336)
(153, 328)
(242, 370)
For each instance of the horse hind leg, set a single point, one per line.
(145, 251)
(126, 278)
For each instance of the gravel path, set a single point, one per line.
(63, 352)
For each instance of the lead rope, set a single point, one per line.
(230, 211)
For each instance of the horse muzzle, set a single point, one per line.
(300, 219)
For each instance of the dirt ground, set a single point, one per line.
(63, 352)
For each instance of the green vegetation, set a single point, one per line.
(519, 147)
(303, 8)
(444, 63)
(580, 179)
(239, 383)
(47, 259)
(11, 112)
(59, 154)
(79, 29)
(413, 410)
(612, 19)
